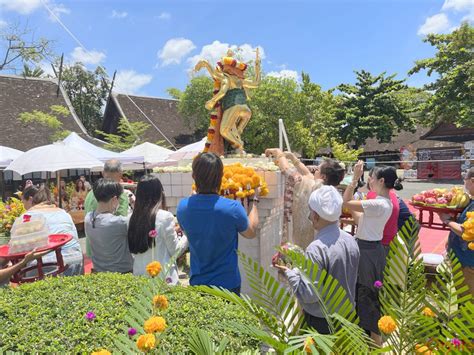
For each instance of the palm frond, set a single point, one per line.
(323, 344)
(332, 297)
(200, 343)
(350, 338)
(460, 327)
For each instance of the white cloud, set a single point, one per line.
(23, 7)
(87, 57)
(435, 24)
(285, 74)
(129, 81)
(3, 24)
(164, 16)
(119, 14)
(458, 5)
(216, 50)
(47, 68)
(58, 10)
(175, 50)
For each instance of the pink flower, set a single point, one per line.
(90, 316)
(132, 332)
(456, 342)
(378, 284)
(152, 233)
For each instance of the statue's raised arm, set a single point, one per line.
(214, 73)
(253, 84)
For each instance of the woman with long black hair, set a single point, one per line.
(151, 231)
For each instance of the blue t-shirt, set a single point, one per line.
(459, 245)
(211, 224)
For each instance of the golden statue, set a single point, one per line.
(229, 111)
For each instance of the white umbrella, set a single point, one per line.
(7, 155)
(188, 151)
(151, 153)
(52, 158)
(76, 141)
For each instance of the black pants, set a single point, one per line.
(320, 324)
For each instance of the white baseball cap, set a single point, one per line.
(327, 203)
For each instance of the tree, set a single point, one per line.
(48, 119)
(88, 91)
(21, 50)
(128, 135)
(453, 91)
(342, 152)
(371, 109)
(29, 72)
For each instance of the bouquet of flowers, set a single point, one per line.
(241, 182)
(9, 211)
(468, 234)
(281, 259)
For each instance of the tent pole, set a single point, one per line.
(58, 186)
(2, 184)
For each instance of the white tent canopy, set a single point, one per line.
(7, 155)
(77, 142)
(188, 151)
(53, 158)
(151, 153)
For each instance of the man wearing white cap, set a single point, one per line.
(332, 249)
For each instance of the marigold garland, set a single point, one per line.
(468, 233)
(155, 324)
(387, 324)
(307, 345)
(428, 312)
(160, 302)
(146, 342)
(153, 268)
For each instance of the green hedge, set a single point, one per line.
(49, 316)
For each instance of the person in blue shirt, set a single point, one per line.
(455, 241)
(212, 224)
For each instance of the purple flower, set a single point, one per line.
(456, 342)
(169, 280)
(152, 233)
(90, 316)
(378, 284)
(132, 332)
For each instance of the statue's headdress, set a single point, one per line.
(230, 60)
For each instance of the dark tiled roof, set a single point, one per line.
(449, 132)
(404, 139)
(18, 95)
(162, 112)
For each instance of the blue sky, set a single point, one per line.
(153, 44)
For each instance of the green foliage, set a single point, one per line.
(371, 109)
(48, 119)
(49, 316)
(453, 90)
(29, 72)
(88, 91)
(128, 135)
(343, 153)
(191, 103)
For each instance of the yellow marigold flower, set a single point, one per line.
(307, 345)
(470, 214)
(427, 311)
(387, 324)
(422, 349)
(240, 194)
(264, 191)
(146, 342)
(160, 301)
(153, 268)
(155, 324)
(471, 245)
(101, 352)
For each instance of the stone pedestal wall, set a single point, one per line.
(270, 209)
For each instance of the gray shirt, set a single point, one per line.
(334, 251)
(108, 240)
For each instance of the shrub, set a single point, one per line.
(49, 316)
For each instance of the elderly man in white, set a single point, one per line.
(332, 249)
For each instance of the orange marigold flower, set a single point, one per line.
(471, 245)
(101, 352)
(387, 324)
(427, 311)
(146, 342)
(160, 301)
(155, 324)
(307, 345)
(153, 268)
